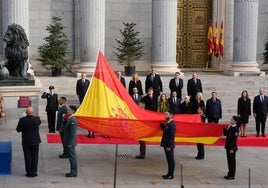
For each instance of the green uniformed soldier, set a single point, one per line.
(70, 140)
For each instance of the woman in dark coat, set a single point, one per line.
(243, 112)
(135, 82)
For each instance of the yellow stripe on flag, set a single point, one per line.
(204, 140)
(102, 102)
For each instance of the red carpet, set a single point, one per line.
(250, 140)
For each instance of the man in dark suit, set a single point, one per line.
(61, 123)
(167, 142)
(231, 132)
(260, 110)
(153, 80)
(176, 84)
(81, 87)
(213, 109)
(150, 100)
(70, 141)
(51, 107)
(194, 86)
(29, 127)
(175, 103)
(135, 95)
(81, 90)
(121, 78)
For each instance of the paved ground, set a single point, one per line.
(96, 163)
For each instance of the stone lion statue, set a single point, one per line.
(16, 51)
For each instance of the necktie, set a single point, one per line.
(174, 100)
(152, 77)
(177, 82)
(194, 81)
(261, 98)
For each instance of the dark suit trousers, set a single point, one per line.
(31, 158)
(142, 148)
(170, 161)
(213, 120)
(62, 141)
(73, 160)
(260, 121)
(201, 150)
(231, 163)
(51, 118)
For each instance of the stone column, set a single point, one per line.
(164, 35)
(229, 32)
(92, 33)
(245, 36)
(15, 11)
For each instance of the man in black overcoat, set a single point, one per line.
(260, 110)
(29, 127)
(81, 87)
(153, 80)
(194, 86)
(176, 84)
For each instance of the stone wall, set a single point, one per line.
(40, 16)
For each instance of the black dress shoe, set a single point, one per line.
(229, 178)
(63, 156)
(199, 158)
(167, 177)
(69, 175)
(263, 135)
(257, 135)
(31, 175)
(139, 157)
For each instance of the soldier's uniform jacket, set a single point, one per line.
(70, 132)
(231, 133)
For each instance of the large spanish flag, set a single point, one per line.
(109, 110)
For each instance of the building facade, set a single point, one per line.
(174, 31)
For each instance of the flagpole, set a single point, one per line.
(115, 164)
(220, 59)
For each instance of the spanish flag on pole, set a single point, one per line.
(109, 110)
(210, 40)
(221, 42)
(215, 40)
